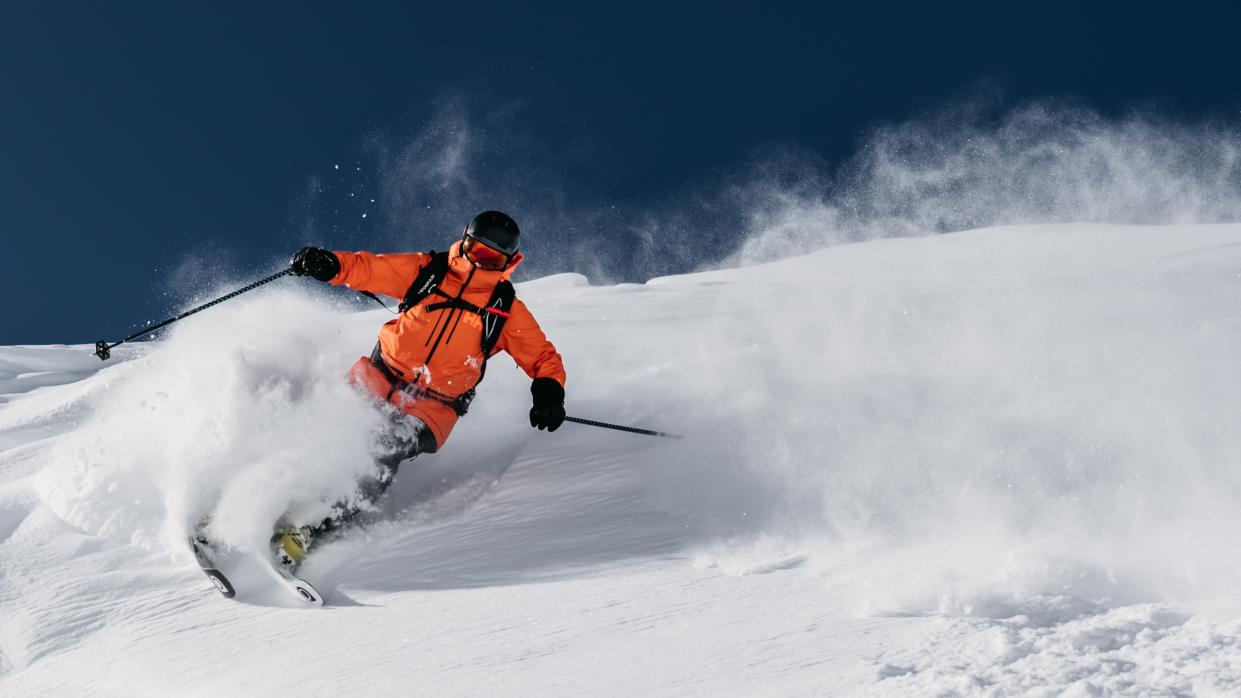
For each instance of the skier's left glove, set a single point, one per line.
(316, 262)
(548, 410)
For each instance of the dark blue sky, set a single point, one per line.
(152, 150)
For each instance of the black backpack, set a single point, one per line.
(494, 314)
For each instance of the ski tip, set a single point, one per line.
(221, 583)
(308, 593)
(304, 589)
(218, 580)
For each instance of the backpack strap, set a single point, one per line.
(493, 315)
(497, 312)
(427, 281)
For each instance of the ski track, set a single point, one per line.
(1003, 463)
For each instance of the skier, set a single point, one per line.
(458, 308)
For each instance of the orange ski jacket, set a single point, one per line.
(441, 350)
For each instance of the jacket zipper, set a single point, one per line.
(427, 361)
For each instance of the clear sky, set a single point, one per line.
(156, 151)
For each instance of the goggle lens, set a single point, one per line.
(482, 254)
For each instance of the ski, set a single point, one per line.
(218, 580)
(303, 589)
(284, 566)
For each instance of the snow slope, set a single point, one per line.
(998, 462)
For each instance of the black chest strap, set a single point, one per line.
(493, 315)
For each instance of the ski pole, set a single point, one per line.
(104, 350)
(620, 427)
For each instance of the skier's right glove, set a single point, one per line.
(548, 410)
(316, 262)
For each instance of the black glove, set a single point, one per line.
(548, 410)
(316, 262)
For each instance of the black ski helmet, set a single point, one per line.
(495, 229)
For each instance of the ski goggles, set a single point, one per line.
(484, 256)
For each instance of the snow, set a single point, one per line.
(998, 462)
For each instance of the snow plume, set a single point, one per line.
(963, 423)
(974, 165)
(467, 158)
(241, 414)
(436, 161)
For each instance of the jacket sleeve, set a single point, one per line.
(389, 274)
(524, 340)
